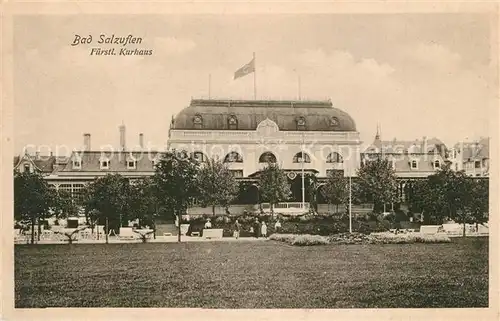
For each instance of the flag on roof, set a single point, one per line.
(245, 70)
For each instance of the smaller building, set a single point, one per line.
(410, 159)
(472, 157)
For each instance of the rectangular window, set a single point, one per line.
(131, 164)
(414, 164)
(237, 173)
(104, 164)
(477, 164)
(77, 164)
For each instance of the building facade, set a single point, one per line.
(307, 139)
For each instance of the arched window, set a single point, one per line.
(267, 157)
(233, 157)
(198, 122)
(232, 122)
(199, 156)
(301, 157)
(334, 158)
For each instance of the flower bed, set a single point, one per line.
(359, 238)
(406, 238)
(300, 239)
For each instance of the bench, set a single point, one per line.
(195, 233)
(429, 229)
(184, 229)
(126, 237)
(126, 233)
(212, 233)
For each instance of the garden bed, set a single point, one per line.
(359, 238)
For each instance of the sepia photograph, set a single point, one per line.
(253, 161)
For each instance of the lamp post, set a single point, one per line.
(350, 203)
(302, 159)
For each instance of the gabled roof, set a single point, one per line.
(432, 145)
(44, 164)
(477, 150)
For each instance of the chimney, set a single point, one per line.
(122, 137)
(86, 142)
(141, 140)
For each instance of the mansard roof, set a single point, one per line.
(91, 161)
(287, 114)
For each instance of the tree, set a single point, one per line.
(143, 203)
(33, 199)
(177, 183)
(336, 189)
(478, 201)
(107, 198)
(274, 186)
(217, 185)
(428, 199)
(456, 195)
(444, 195)
(63, 205)
(377, 181)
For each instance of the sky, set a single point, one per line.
(415, 74)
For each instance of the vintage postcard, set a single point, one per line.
(250, 161)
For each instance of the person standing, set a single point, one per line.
(277, 226)
(263, 229)
(237, 228)
(256, 228)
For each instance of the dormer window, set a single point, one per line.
(104, 162)
(77, 164)
(301, 123)
(131, 162)
(334, 122)
(232, 122)
(198, 122)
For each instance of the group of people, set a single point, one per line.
(257, 229)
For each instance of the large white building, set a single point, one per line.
(247, 134)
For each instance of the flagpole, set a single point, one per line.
(209, 85)
(300, 98)
(350, 203)
(254, 78)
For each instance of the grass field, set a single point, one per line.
(253, 275)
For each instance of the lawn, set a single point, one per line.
(253, 275)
